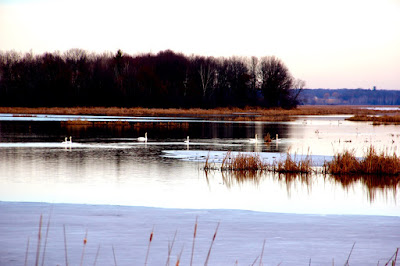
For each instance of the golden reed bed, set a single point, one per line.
(247, 113)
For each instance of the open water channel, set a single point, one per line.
(106, 164)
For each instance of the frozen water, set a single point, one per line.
(218, 156)
(290, 239)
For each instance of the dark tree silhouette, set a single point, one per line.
(166, 79)
(276, 82)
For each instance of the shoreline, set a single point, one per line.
(248, 112)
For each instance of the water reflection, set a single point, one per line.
(218, 132)
(373, 184)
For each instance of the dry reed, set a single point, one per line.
(27, 252)
(65, 247)
(170, 247)
(377, 120)
(211, 245)
(115, 257)
(348, 258)
(84, 246)
(253, 162)
(97, 255)
(372, 163)
(47, 236)
(291, 165)
(39, 240)
(194, 238)
(242, 162)
(148, 247)
(247, 113)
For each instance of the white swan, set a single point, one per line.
(143, 138)
(66, 141)
(187, 140)
(255, 140)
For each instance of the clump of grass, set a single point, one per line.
(382, 163)
(242, 162)
(343, 163)
(267, 138)
(207, 164)
(251, 163)
(291, 165)
(372, 163)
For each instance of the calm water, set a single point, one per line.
(107, 165)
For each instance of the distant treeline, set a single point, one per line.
(350, 97)
(166, 79)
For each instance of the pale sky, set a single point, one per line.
(327, 43)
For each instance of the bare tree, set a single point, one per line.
(206, 75)
(276, 82)
(298, 86)
(254, 72)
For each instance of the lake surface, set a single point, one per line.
(106, 164)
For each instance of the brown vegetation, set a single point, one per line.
(247, 113)
(372, 163)
(377, 120)
(291, 165)
(253, 163)
(242, 162)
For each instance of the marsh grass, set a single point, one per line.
(291, 165)
(242, 162)
(373, 163)
(247, 113)
(377, 120)
(252, 162)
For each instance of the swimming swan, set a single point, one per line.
(255, 140)
(143, 138)
(66, 141)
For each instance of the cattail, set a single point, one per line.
(84, 245)
(148, 247)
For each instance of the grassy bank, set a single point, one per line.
(377, 120)
(247, 113)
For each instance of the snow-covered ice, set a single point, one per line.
(290, 239)
(218, 156)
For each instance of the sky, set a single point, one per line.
(326, 43)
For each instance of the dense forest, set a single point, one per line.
(166, 79)
(350, 97)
